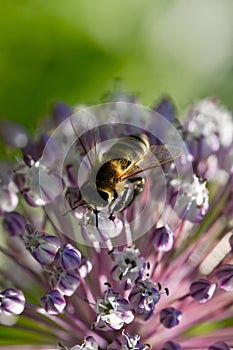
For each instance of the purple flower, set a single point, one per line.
(147, 236)
(193, 201)
(112, 312)
(205, 119)
(127, 342)
(143, 297)
(208, 132)
(129, 266)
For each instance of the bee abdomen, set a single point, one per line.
(129, 147)
(142, 138)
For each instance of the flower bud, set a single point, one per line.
(53, 302)
(68, 257)
(42, 246)
(34, 149)
(12, 301)
(85, 267)
(163, 238)
(19, 180)
(65, 281)
(231, 243)
(166, 108)
(43, 185)
(202, 290)
(8, 199)
(27, 158)
(225, 277)
(14, 223)
(16, 135)
(219, 346)
(170, 317)
(61, 111)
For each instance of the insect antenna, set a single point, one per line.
(81, 142)
(95, 211)
(72, 209)
(85, 150)
(93, 132)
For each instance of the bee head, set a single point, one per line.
(104, 195)
(96, 198)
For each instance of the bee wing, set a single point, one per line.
(154, 157)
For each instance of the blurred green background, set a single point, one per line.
(72, 50)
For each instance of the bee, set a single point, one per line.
(115, 181)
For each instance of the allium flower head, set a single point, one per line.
(208, 132)
(117, 229)
(206, 119)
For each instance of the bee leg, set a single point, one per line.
(115, 196)
(111, 217)
(138, 183)
(96, 217)
(122, 200)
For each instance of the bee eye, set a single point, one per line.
(104, 195)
